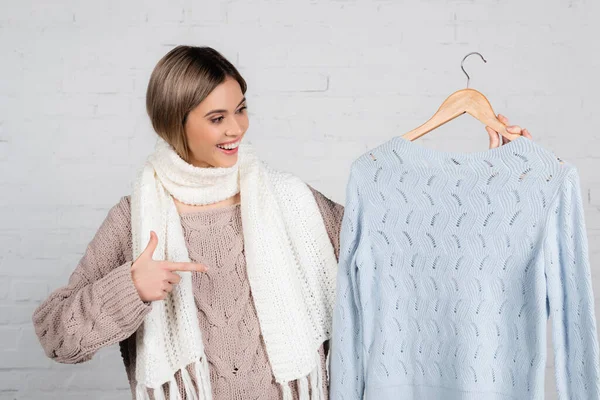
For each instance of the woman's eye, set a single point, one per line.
(216, 120)
(241, 110)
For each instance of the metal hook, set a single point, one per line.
(463, 68)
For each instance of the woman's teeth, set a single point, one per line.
(229, 146)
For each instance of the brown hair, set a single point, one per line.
(180, 81)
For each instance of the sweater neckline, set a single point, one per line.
(516, 145)
(209, 212)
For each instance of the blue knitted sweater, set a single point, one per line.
(450, 265)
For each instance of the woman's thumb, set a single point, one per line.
(152, 243)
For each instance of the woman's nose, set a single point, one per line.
(234, 128)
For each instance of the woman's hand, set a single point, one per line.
(155, 279)
(514, 129)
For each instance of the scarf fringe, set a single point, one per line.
(327, 363)
(141, 393)
(303, 389)
(159, 394)
(174, 390)
(203, 379)
(188, 385)
(203, 391)
(314, 380)
(319, 380)
(287, 391)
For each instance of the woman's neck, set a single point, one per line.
(186, 208)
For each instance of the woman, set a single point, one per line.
(216, 276)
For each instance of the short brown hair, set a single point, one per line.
(180, 81)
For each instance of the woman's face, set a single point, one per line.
(215, 128)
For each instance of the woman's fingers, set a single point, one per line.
(152, 243)
(503, 119)
(173, 278)
(514, 129)
(494, 138)
(185, 266)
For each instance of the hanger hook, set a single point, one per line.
(463, 68)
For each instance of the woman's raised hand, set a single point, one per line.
(496, 140)
(155, 279)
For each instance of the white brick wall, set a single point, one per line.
(327, 80)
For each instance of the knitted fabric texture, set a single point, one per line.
(290, 264)
(100, 306)
(449, 267)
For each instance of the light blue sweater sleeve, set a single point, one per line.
(569, 295)
(347, 380)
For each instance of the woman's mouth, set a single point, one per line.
(229, 148)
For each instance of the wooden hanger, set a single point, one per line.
(468, 101)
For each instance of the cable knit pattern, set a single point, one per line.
(449, 266)
(73, 323)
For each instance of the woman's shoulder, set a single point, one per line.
(331, 211)
(123, 206)
(118, 219)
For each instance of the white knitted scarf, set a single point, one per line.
(290, 261)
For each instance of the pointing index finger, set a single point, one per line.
(186, 266)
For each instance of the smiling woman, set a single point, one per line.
(216, 276)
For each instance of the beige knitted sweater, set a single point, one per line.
(100, 305)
